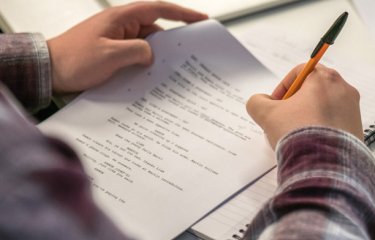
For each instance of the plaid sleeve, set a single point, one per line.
(326, 189)
(44, 191)
(25, 68)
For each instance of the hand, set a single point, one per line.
(95, 49)
(324, 99)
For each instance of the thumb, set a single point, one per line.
(258, 106)
(130, 52)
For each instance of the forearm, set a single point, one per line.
(326, 189)
(25, 69)
(44, 192)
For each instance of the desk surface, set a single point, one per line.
(310, 18)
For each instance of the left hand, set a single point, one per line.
(92, 51)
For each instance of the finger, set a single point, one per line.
(258, 106)
(285, 84)
(147, 30)
(130, 52)
(147, 13)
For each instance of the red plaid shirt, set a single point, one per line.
(326, 176)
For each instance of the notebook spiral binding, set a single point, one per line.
(239, 235)
(369, 138)
(369, 135)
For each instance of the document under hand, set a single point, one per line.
(166, 144)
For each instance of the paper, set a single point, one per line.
(220, 9)
(281, 51)
(366, 10)
(233, 217)
(165, 145)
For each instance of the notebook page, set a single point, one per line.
(165, 145)
(281, 45)
(280, 51)
(232, 217)
(366, 10)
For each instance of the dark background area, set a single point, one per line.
(45, 113)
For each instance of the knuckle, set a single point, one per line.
(335, 78)
(251, 105)
(252, 101)
(143, 51)
(256, 106)
(355, 93)
(160, 4)
(332, 75)
(329, 77)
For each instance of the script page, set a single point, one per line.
(164, 145)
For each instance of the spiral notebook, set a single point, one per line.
(270, 47)
(369, 136)
(230, 221)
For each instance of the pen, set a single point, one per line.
(327, 40)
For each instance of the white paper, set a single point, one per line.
(281, 51)
(233, 217)
(166, 144)
(220, 9)
(366, 10)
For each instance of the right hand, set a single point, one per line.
(325, 99)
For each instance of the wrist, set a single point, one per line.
(56, 59)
